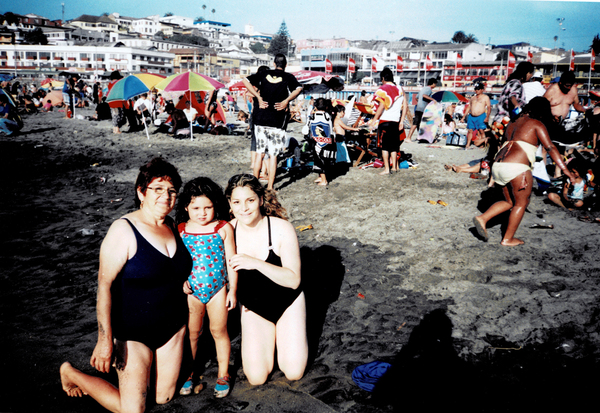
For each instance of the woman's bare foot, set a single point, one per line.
(513, 242)
(480, 227)
(322, 183)
(69, 386)
(318, 180)
(384, 173)
(448, 167)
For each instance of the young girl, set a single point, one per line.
(209, 239)
(571, 196)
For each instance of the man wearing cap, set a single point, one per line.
(534, 87)
(479, 115)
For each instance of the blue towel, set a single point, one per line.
(367, 375)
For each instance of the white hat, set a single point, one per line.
(538, 74)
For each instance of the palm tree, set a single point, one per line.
(470, 38)
(459, 37)
(203, 9)
(213, 12)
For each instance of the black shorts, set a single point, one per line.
(417, 119)
(388, 136)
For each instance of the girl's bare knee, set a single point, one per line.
(257, 379)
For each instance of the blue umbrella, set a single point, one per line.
(127, 88)
(5, 77)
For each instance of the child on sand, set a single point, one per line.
(571, 196)
(201, 211)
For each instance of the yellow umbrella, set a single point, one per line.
(149, 79)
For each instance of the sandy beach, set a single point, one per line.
(387, 275)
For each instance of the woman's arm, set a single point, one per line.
(226, 233)
(114, 253)
(285, 245)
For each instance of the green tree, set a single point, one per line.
(168, 14)
(199, 19)
(461, 37)
(189, 39)
(280, 42)
(595, 45)
(36, 36)
(9, 18)
(258, 48)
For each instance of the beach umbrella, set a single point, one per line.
(149, 79)
(127, 88)
(318, 82)
(52, 84)
(237, 87)
(10, 99)
(6, 77)
(55, 96)
(189, 82)
(446, 96)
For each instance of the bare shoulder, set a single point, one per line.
(551, 90)
(283, 229)
(226, 231)
(119, 230)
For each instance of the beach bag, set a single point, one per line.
(367, 375)
(457, 139)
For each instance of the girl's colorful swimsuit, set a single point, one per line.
(208, 274)
(260, 294)
(148, 302)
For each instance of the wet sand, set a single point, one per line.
(388, 276)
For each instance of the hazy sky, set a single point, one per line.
(491, 21)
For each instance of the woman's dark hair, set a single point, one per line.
(270, 205)
(156, 168)
(321, 104)
(539, 108)
(447, 119)
(521, 72)
(202, 186)
(577, 165)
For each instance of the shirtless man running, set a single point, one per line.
(479, 114)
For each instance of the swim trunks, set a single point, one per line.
(208, 274)
(388, 135)
(260, 294)
(269, 139)
(148, 302)
(476, 122)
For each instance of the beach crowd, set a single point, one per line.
(234, 248)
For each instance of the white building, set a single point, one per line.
(84, 59)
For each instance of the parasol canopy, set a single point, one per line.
(237, 87)
(149, 79)
(127, 88)
(318, 82)
(188, 81)
(446, 96)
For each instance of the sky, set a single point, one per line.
(495, 22)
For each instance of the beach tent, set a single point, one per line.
(238, 87)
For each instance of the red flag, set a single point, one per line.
(459, 61)
(572, 63)
(511, 62)
(374, 64)
(328, 66)
(399, 64)
(428, 64)
(593, 62)
(351, 65)
(529, 56)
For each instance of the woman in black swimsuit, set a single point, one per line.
(269, 290)
(141, 307)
